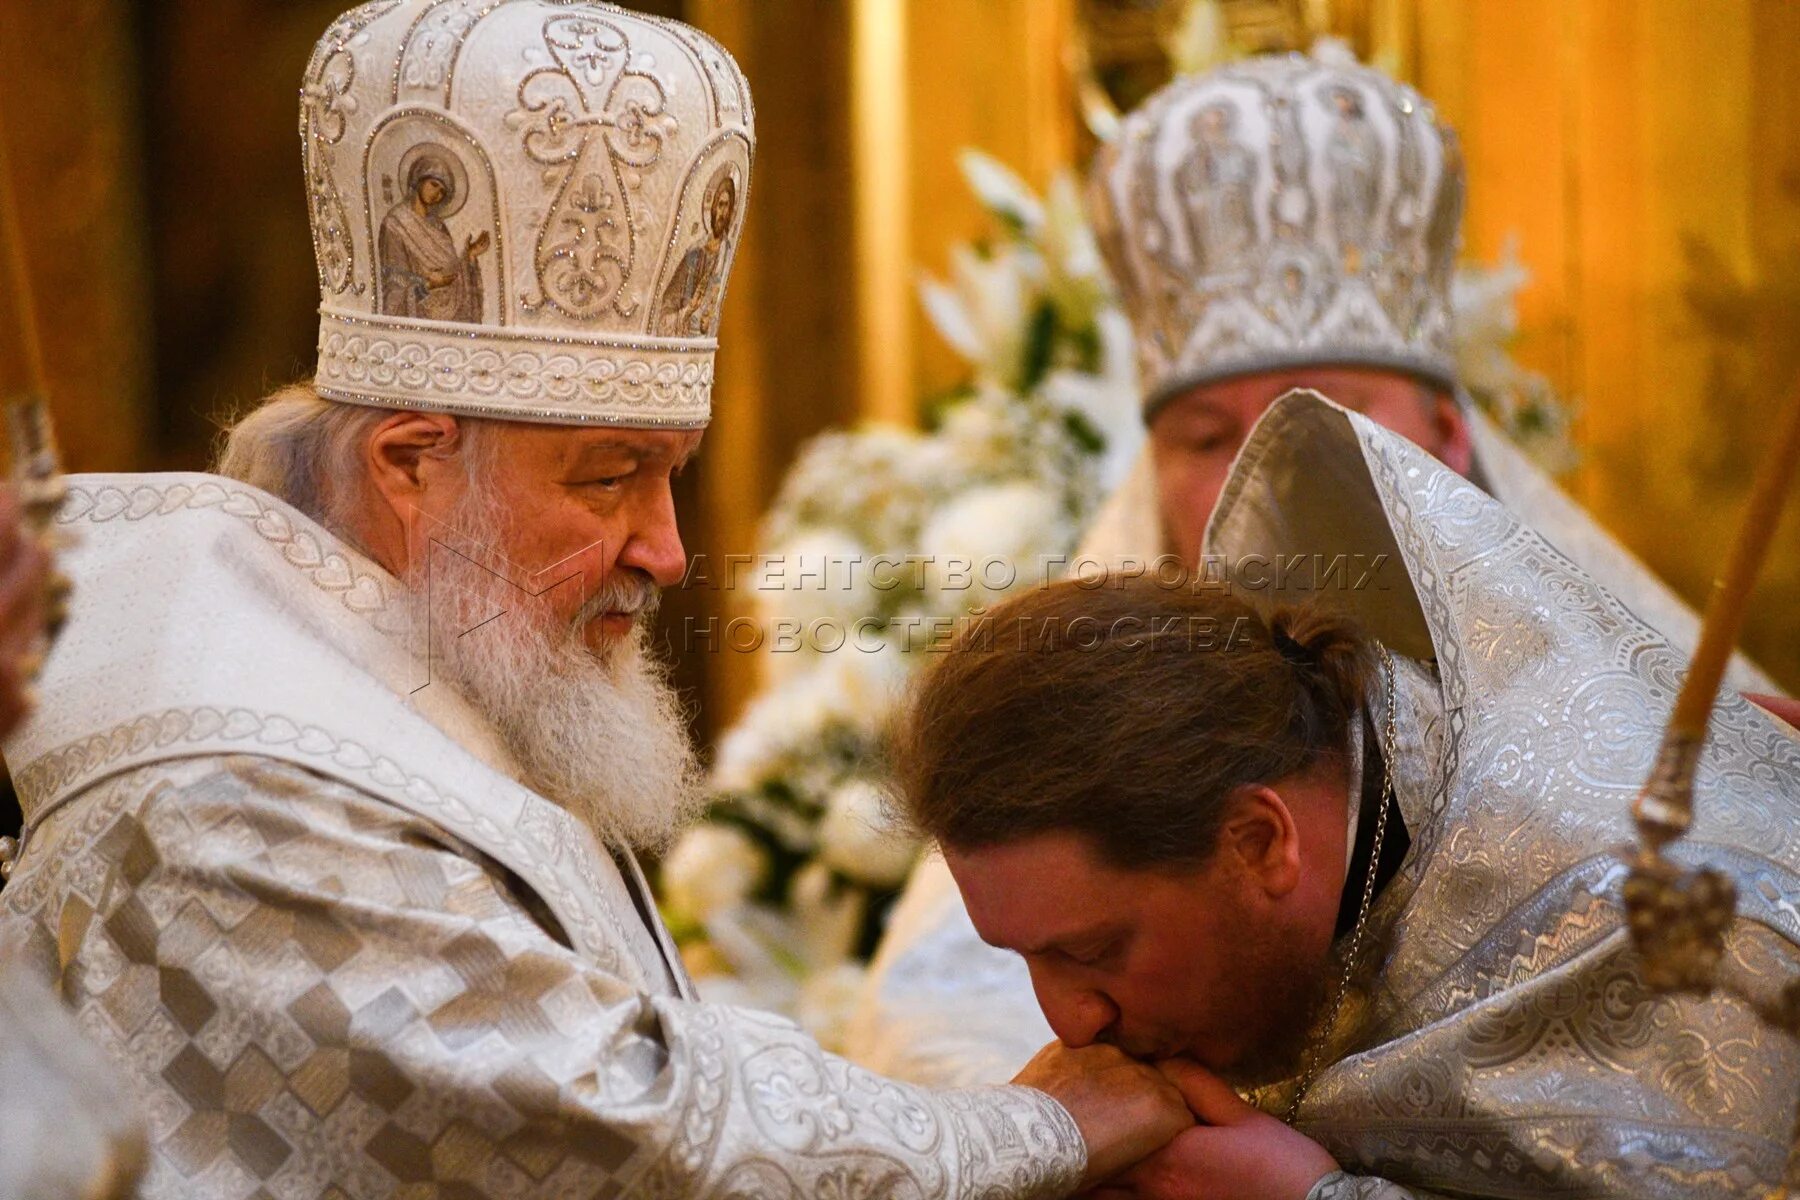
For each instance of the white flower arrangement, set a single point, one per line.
(882, 538)
(713, 869)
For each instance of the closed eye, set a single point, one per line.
(605, 483)
(1092, 956)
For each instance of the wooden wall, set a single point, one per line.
(1647, 155)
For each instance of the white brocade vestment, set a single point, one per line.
(338, 951)
(1499, 1040)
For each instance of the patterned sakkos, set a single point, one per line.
(1282, 211)
(576, 196)
(1502, 1041)
(338, 952)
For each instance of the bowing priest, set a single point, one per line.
(332, 799)
(1282, 222)
(1364, 857)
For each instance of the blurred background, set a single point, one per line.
(1642, 155)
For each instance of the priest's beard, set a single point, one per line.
(601, 734)
(1282, 1011)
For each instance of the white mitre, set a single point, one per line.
(1294, 211)
(1282, 211)
(523, 209)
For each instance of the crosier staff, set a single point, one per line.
(1678, 917)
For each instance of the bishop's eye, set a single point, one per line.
(1211, 442)
(604, 483)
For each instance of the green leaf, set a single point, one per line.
(934, 407)
(683, 928)
(1040, 344)
(1083, 434)
(1087, 345)
(1012, 222)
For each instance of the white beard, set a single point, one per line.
(604, 736)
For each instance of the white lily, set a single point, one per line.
(1068, 239)
(859, 840)
(711, 869)
(993, 539)
(982, 311)
(1001, 190)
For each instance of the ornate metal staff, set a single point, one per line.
(1678, 918)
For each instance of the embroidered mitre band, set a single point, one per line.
(523, 209)
(1282, 211)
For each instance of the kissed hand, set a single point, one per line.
(1235, 1153)
(1125, 1109)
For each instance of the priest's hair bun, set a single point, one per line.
(1331, 657)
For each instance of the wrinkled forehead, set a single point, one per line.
(576, 445)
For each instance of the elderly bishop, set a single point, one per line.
(332, 800)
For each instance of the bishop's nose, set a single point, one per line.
(654, 544)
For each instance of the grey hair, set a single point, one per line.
(300, 447)
(307, 450)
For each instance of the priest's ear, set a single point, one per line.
(408, 452)
(1261, 838)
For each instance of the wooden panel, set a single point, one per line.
(1648, 158)
(67, 106)
(881, 162)
(992, 76)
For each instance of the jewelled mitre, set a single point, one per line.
(523, 209)
(1278, 212)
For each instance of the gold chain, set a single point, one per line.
(1353, 952)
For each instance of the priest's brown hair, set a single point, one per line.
(1128, 714)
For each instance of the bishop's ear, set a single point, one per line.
(1456, 449)
(414, 480)
(405, 453)
(1262, 839)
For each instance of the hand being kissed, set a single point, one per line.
(1235, 1152)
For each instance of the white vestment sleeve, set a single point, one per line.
(316, 993)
